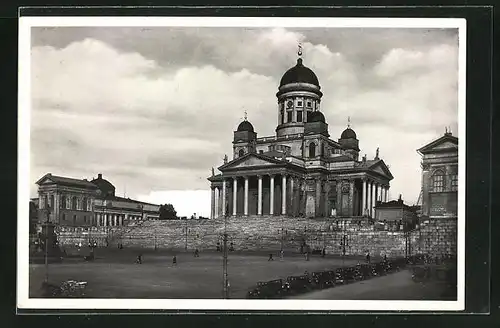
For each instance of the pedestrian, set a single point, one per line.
(282, 255)
(368, 257)
(174, 260)
(139, 259)
(323, 252)
(270, 257)
(196, 253)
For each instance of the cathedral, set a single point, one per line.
(300, 171)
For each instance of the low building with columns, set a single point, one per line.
(83, 203)
(300, 171)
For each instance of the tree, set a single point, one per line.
(167, 212)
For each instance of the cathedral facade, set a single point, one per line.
(300, 171)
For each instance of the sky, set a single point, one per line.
(154, 109)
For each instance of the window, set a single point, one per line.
(309, 104)
(64, 217)
(241, 152)
(85, 205)
(63, 201)
(299, 116)
(73, 203)
(46, 201)
(289, 116)
(438, 181)
(52, 201)
(312, 149)
(261, 152)
(454, 182)
(85, 218)
(74, 219)
(299, 103)
(282, 113)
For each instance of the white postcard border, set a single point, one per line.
(24, 98)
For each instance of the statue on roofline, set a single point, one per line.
(225, 159)
(213, 172)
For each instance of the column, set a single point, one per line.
(259, 197)
(235, 194)
(369, 195)
(283, 195)
(98, 219)
(351, 198)
(290, 196)
(224, 197)
(374, 187)
(317, 202)
(271, 194)
(216, 201)
(121, 219)
(379, 192)
(327, 200)
(365, 189)
(339, 197)
(212, 208)
(246, 196)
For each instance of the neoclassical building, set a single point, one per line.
(300, 171)
(440, 177)
(82, 203)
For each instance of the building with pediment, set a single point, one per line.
(301, 170)
(440, 177)
(71, 202)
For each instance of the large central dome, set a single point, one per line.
(299, 74)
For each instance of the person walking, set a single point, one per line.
(282, 255)
(174, 260)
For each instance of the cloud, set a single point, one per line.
(154, 109)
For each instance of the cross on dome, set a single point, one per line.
(245, 117)
(299, 52)
(348, 121)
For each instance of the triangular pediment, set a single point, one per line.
(446, 145)
(249, 161)
(382, 169)
(46, 179)
(446, 142)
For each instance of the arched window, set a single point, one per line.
(63, 201)
(241, 152)
(73, 203)
(312, 149)
(438, 181)
(85, 205)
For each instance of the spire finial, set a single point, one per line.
(348, 121)
(245, 115)
(299, 52)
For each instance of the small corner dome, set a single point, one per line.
(348, 134)
(316, 117)
(299, 74)
(245, 126)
